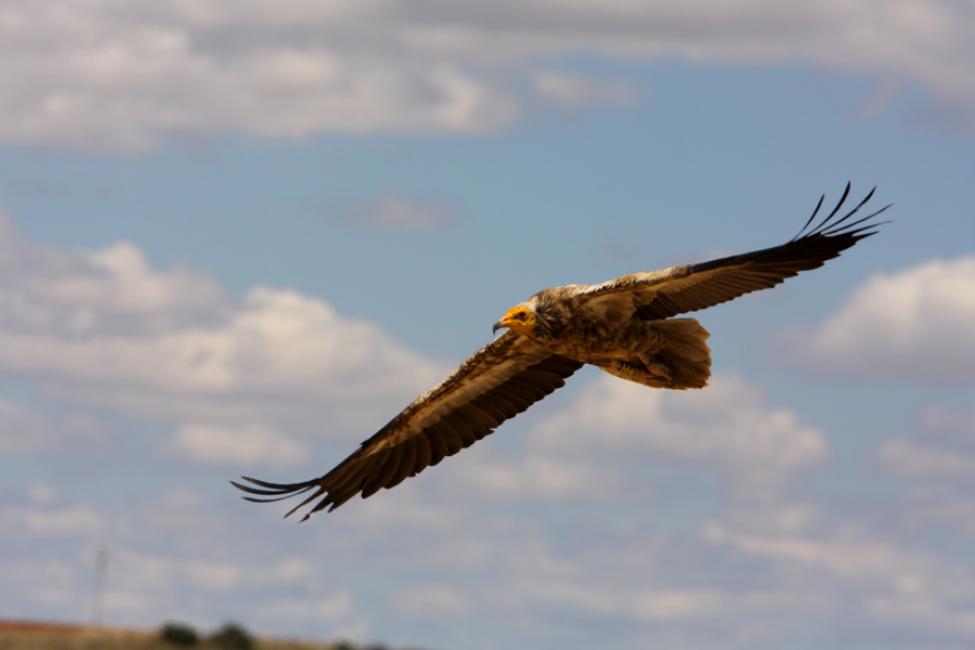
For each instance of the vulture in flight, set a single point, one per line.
(625, 326)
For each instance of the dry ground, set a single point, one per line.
(39, 635)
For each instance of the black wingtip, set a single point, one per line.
(267, 492)
(832, 226)
(836, 208)
(822, 197)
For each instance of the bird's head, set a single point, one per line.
(520, 319)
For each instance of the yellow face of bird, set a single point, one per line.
(520, 319)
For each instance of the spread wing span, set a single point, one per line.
(497, 382)
(526, 363)
(661, 294)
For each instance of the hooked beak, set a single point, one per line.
(505, 321)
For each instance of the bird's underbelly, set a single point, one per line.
(600, 343)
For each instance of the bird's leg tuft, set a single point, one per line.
(640, 372)
(655, 367)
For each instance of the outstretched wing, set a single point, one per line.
(680, 289)
(497, 382)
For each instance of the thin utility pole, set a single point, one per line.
(98, 587)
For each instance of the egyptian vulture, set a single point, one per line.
(625, 326)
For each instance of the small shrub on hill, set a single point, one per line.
(178, 634)
(232, 637)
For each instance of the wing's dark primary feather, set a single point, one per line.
(703, 285)
(499, 381)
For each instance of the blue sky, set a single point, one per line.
(238, 242)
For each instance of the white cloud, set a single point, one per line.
(111, 290)
(586, 449)
(175, 556)
(41, 493)
(397, 213)
(98, 75)
(728, 424)
(278, 349)
(120, 281)
(105, 327)
(891, 583)
(914, 324)
(674, 589)
(694, 606)
(537, 475)
(123, 78)
(936, 468)
(571, 90)
(406, 508)
(158, 572)
(336, 610)
(941, 419)
(22, 429)
(51, 583)
(78, 520)
(431, 602)
(912, 459)
(75, 520)
(934, 509)
(247, 444)
(26, 430)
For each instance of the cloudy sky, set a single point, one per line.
(237, 239)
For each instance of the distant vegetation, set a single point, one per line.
(178, 634)
(231, 637)
(171, 636)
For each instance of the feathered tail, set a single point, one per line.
(685, 353)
